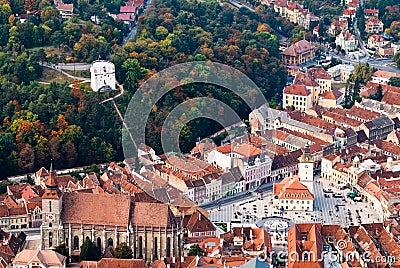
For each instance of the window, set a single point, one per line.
(110, 242)
(99, 242)
(49, 206)
(155, 255)
(140, 247)
(168, 247)
(76, 243)
(50, 239)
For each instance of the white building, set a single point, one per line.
(291, 194)
(341, 72)
(102, 76)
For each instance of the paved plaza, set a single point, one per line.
(327, 208)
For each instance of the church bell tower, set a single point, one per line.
(51, 212)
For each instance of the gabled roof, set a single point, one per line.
(88, 208)
(374, 20)
(292, 188)
(64, 7)
(44, 257)
(385, 74)
(298, 90)
(127, 9)
(392, 98)
(197, 222)
(147, 214)
(298, 48)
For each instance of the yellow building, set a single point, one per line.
(297, 96)
(323, 78)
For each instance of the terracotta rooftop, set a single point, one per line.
(44, 257)
(371, 11)
(392, 98)
(298, 48)
(246, 150)
(197, 222)
(373, 20)
(371, 89)
(291, 188)
(319, 73)
(87, 208)
(294, 89)
(385, 74)
(148, 214)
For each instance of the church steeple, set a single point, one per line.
(51, 182)
(52, 190)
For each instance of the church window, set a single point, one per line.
(110, 242)
(50, 239)
(49, 206)
(155, 248)
(50, 224)
(76, 243)
(168, 247)
(140, 247)
(99, 242)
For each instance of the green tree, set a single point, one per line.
(379, 94)
(195, 250)
(347, 98)
(361, 22)
(134, 72)
(62, 249)
(356, 91)
(396, 59)
(89, 251)
(394, 81)
(123, 251)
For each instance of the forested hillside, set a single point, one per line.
(40, 122)
(174, 31)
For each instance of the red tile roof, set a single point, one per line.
(88, 208)
(127, 9)
(291, 188)
(373, 21)
(294, 89)
(298, 48)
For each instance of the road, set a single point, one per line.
(237, 198)
(55, 67)
(133, 31)
(130, 35)
(74, 66)
(240, 5)
(381, 64)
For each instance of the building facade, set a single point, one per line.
(102, 75)
(149, 229)
(298, 53)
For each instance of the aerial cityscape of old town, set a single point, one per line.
(284, 114)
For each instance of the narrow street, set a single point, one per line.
(133, 31)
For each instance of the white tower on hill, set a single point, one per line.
(102, 76)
